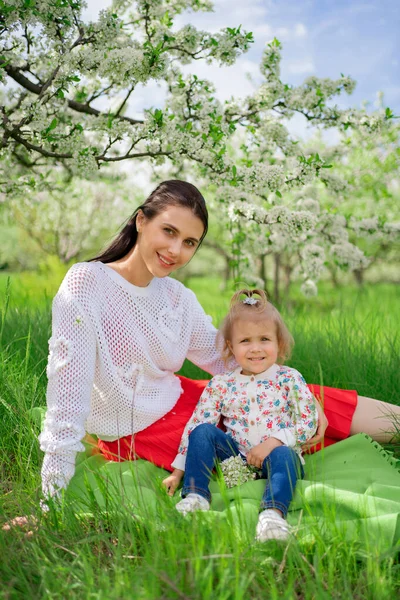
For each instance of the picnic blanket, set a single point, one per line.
(351, 488)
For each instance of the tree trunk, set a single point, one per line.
(288, 279)
(359, 276)
(227, 273)
(333, 273)
(277, 266)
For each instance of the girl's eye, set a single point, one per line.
(189, 243)
(265, 339)
(244, 341)
(168, 231)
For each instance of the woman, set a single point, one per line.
(122, 328)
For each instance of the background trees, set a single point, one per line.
(70, 116)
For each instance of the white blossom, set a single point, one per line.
(236, 472)
(308, 288)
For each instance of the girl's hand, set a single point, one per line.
(257, 454)
(319, 434)
(172, 481)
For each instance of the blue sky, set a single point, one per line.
(319, 37)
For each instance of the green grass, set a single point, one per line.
(346, 338)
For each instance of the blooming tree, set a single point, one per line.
(66, 108)
(68, 219)
(69, 85)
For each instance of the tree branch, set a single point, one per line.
(37, 89)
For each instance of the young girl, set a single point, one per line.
(268, 413)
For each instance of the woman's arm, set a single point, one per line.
(70, 374)
(203, 350)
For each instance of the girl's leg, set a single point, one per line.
(378, 419)
(207, 443)
(282, 468)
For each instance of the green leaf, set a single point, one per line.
(52, 125)
(275, 43)
(166, 20)
(234, 171)
(110, 119)
(60, 94)
(158, 117)
(278, 194)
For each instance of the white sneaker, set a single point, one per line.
(271, 526)
(191, 503)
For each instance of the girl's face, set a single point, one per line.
(168, 241)
(254, 345)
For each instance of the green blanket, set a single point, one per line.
(351, 488)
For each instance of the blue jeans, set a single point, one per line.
(207, 444)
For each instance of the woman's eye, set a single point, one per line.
(168, 231)
(190, 243)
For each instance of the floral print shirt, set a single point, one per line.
(276, 403)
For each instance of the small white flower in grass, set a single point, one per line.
(235, 471)
(308, 288)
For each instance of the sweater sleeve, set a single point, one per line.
(303, 414)
(70, 371)
(203, 350)
(208, 410)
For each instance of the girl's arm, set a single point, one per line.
(70, 374)
(303, 414)
(208, 410)
(321, 428)
(172, 481)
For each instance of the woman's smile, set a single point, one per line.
(165, 262)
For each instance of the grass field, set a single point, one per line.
(345, 338)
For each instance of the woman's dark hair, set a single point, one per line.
(168, 193)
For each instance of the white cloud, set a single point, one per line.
(91, 13)
(263, 32)
(282, 33)
(299, 128)
(300, 67)
(228, 81)
(300, 30)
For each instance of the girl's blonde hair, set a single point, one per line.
(254, 307)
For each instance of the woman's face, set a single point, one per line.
(168, 241)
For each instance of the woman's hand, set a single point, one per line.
(172, 481)
(319, 434)
(27, 524)
(256, 456)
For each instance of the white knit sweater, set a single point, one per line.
(113, 353)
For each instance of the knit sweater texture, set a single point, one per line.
(113, 353)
